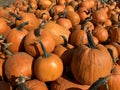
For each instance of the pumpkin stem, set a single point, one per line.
(46, 54)
(21, 83)
(111, 53)
(17, 17)
(22, 25)
(85, 21)
(37, 30)
(62, 14)
(65, 41)
(91, 43)
(4, 48)
(99, 82)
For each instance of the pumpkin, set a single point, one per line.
(34, 48)
(27, 17)
(16, 37)
(111, 81)
(66, 83)
(56, 31)
(87, 4)
(32, 84)
(43, 14)
(73, 16)
(89, 61)
(99, 16)
(4, 12)
(44, 4)
(36, 85)
(33, 5)
(48, 67)
(18, 64)
(4, 28)
(83, 13)
(64, 51)
(78, 37)
(21, 5)
(114, 49)
(114, 33)
(66, 23)
(101, 33)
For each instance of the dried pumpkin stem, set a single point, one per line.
(22, 25)
(17, 17)
(90, 39)
(21, 83)
(37, 30)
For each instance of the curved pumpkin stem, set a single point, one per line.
(62, 14)
(37, 30)
(65, 41)
(85, 21)
(90, 39)
(99, 82)
(16, 16)
(111, 53)
(22, 25)
(46, 54)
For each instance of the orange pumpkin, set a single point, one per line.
(32, 84)
(34, 48)
(56, 31)
(16, 37)
(18, 64)
(48, 67)
(88, 62)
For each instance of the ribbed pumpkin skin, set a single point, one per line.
(88, 64)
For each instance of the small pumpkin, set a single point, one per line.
(101, 33)
(73, 16)
(24, 17)
(99, 16)
(48, 67)
(4, 28)
(16, 37)
(64, 51)
(18, 64)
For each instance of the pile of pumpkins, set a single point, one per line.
(60, 45)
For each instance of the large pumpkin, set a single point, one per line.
(90, 62)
